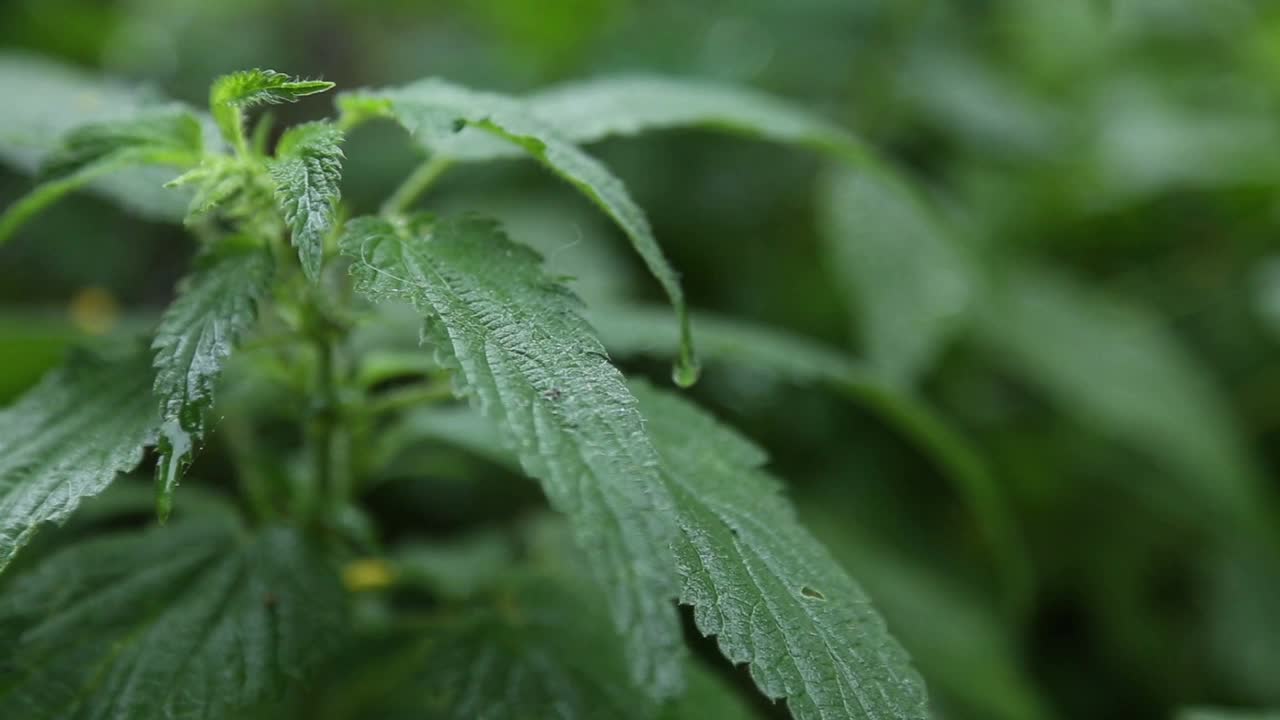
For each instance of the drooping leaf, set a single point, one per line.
(215, 306)
(638, 330)
(586, 112)
(230, 95)
(68, 437)
(1118, 369)
(531, 366)
(907, 283)
(188, 622)
(434, 111)
(307, 171)
(760, 583)
(169, 136)
(52, 99)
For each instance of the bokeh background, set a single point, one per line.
(1128, 151)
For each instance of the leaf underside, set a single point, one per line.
(68, 437)
(188, 622)
(532, 367)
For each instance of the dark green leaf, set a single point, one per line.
(531, 366)
(189, 622)
(759, 582)
(638, 330)
(307, 172)
(215, 307)
(68, 437)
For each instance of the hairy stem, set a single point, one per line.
(416, 184)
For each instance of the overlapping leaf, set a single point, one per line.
(307, 172)
(638, 330)
(215, 306)
(532, 367)
(434, 111)
(68, 437)
(759, 582)
(189, 622)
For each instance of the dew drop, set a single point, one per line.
(686, 372)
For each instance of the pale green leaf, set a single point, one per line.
(531, 366)
(154, 135)
(68, 437)
(215, 307)
(637, 330)
(51, 99)
(434, 111)
(760, 583)
(168, 136)
(1118, 369)
(905, 280)
(230, 95)
(585, 112)
(190, 622)
(307, 171)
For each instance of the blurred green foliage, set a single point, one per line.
(1108, 170)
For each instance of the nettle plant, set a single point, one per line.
(281, 598)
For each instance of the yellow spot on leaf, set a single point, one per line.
(368, 574)
(94, 311)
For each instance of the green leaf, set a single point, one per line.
(759, 582)
(586, 112)
(215, 307)
(538, 651)
(433, 111)
(307, 171)
(188, 622)
(68, 437)
(968, 654)
(160, 137)
(1117, 368)
(56, 99)
(531, 366)
(639, 330)
(905, 280)
(230, 95)
(170, 133)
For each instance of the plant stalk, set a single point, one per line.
(417, 183)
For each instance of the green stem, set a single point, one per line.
(323, 426)
(416, 184)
